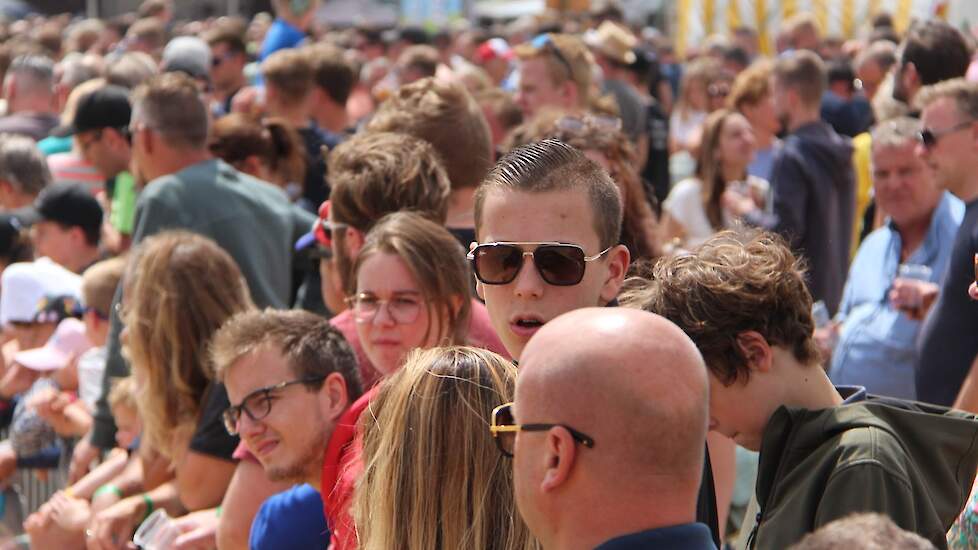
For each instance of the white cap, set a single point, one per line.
(23, 286)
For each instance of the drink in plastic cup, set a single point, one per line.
(157, 532)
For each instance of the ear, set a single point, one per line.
(560, 454)
(569, 90)
(755, 350)
(353, 241)
(911, 78)
(618, 259)
(333, 397)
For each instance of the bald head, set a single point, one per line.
(632, 378)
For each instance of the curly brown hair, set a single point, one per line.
(735, 282)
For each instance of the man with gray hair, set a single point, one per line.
(23, 172)
(29, 89)
(876, 341)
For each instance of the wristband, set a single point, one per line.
(107, 488)
(217, 511)
(149, 506)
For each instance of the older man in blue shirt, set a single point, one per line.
(876, 345)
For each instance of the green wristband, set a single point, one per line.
(107, 488)
(217, 511)
(149, 506)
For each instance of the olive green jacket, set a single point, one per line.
(910, 461)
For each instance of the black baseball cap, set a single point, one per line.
(70, 204)
(106, 107)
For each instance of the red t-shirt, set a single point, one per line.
(342, 466)
(481, 334)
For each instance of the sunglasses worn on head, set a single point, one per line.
(258, 404)
(929, 138)
(559, 264)
(546, 41)
(503, 429)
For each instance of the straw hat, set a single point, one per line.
(613, 41)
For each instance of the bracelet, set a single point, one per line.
(107, 488)
(217, 511)
(149, 506)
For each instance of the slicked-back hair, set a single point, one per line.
(733, 283)
(552, 165)
(312, 347)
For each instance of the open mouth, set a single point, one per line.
(529, 323)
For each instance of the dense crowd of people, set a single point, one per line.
(542, 284)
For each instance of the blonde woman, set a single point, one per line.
(179, 289)
(433, 478)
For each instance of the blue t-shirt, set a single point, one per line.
(292, 519)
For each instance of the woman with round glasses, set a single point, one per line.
(412, 290)
(433, 477)
(178, 290)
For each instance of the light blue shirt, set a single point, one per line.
(876, 347)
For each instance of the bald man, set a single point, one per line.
(620, 466)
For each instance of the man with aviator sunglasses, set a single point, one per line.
(548, 221)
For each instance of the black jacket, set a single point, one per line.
(814, 195)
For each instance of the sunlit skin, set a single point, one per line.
(520, 308)
(288, 450)
(386, 342)
(538, 89)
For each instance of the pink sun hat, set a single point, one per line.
(68, 341)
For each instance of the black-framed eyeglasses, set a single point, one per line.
(503, 428)
(545, 41)
(559, 264)
(929, 138)
(258, 404)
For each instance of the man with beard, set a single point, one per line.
(289, 377)
(933, 51)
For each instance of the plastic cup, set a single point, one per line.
(157, 532)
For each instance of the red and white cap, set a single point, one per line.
(494, 48)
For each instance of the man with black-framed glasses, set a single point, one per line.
(606, 433)
(291, 379)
